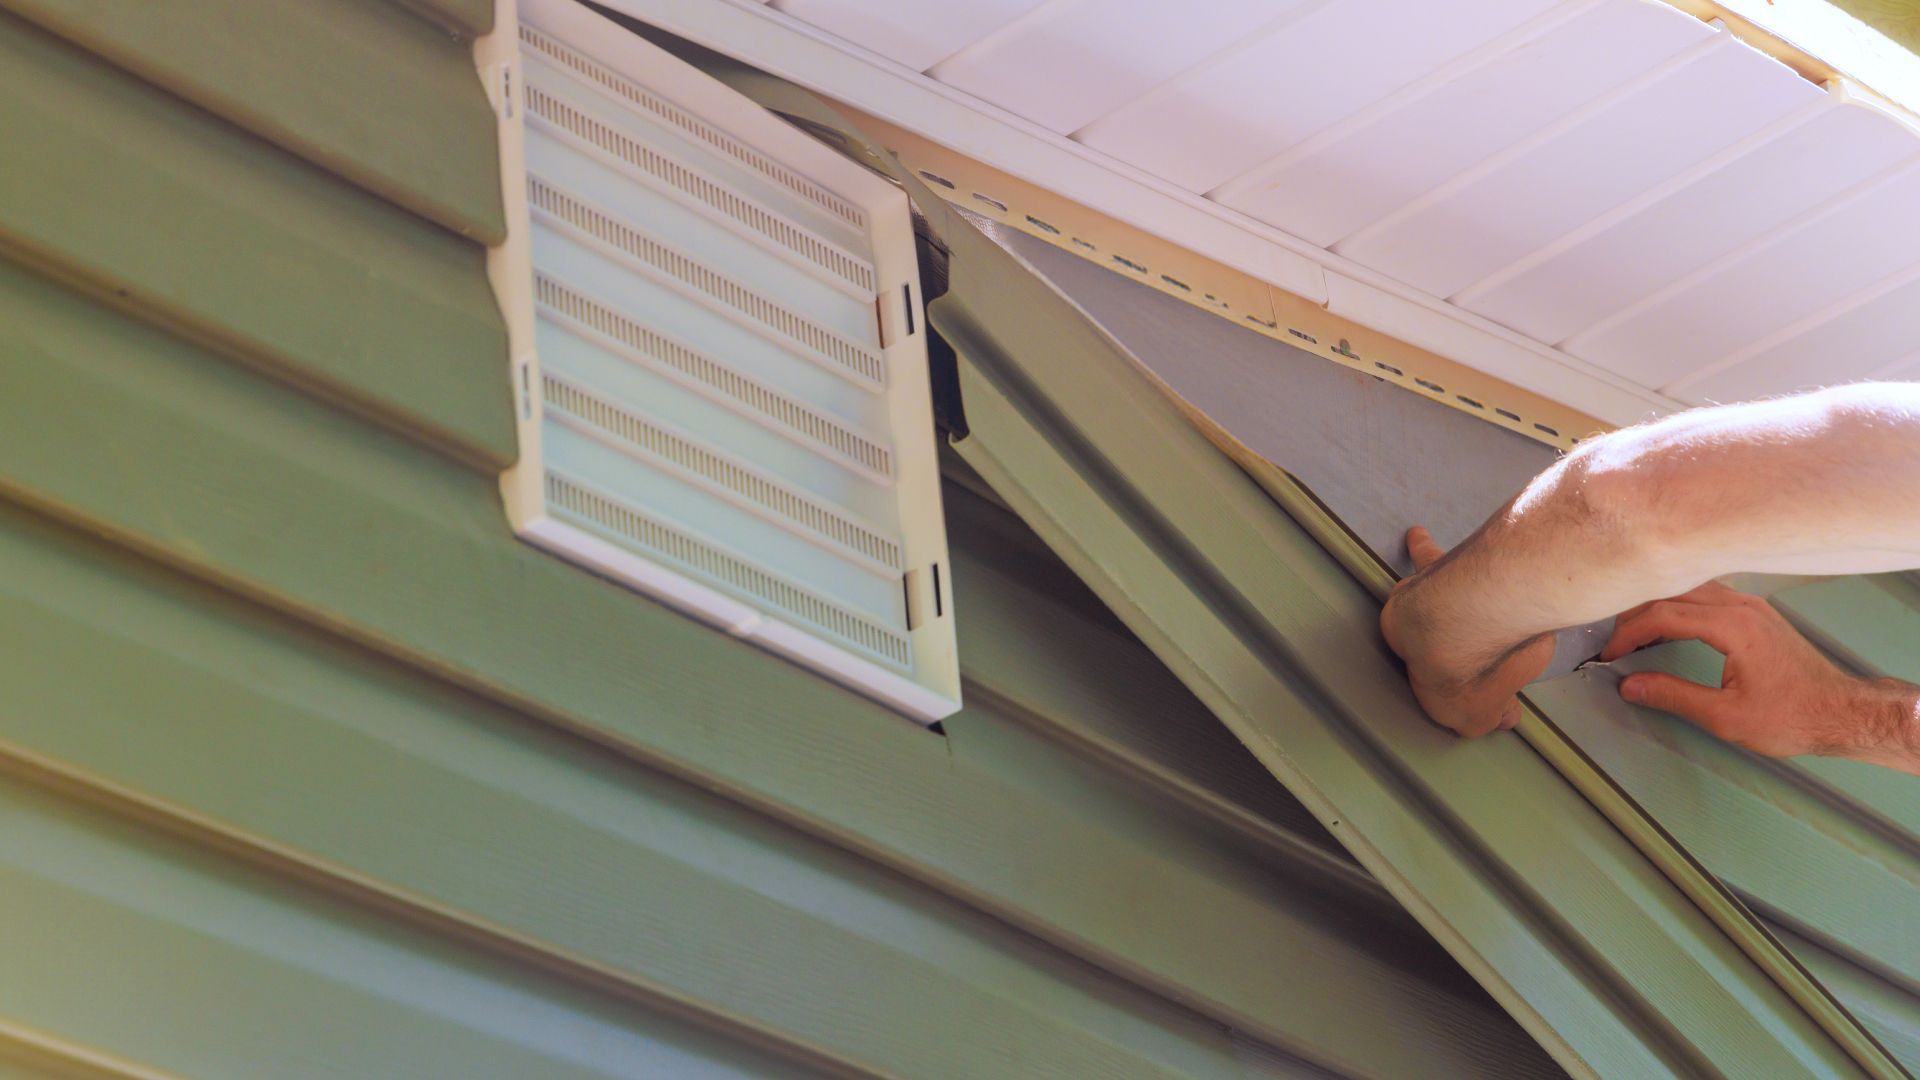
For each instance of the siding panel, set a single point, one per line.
(163, 209)
(296, 730)
(151, 951)
(254, 486)
(360, 87)
(522, 836)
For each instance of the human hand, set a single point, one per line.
(1778, 696)
(1468, 694)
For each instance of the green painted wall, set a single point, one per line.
(308, 768)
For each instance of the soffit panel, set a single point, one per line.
(1629, 190)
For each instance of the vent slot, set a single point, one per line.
(838, 354)
(635, 433)
(747, 213)
(672, 115)
(632, 525)
(564, 304)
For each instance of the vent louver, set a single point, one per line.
(721, 383)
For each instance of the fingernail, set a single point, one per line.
(1630, 689)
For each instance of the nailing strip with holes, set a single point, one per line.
(717, 358)
(1226, 292)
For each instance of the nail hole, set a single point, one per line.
(936, 178)
(1464, 399)
(1435, 387)
(1389, 367)
(991, 201)
(1042, 226)
(1176, 283)
(1346, 350)
(1258, 321)
(1548, 430)
(1303, 336)
(1513, 416)
(1079, 243)
(1129, 263)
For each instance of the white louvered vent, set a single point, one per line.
(718, 358)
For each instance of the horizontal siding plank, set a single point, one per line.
(1892, 1014)
(129, 943)
(359, 87)
(1793, 855)
(159, 208)
(246, 483)
(1871, 624)
(1086, 681)
(26, 1054)
(470, 18)
(229, 714)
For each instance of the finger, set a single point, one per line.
(1674, 620)
(1670, 693)
(1713, 592)
(1422, 549)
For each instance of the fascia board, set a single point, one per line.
(760, 35)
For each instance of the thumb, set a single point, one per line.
(1670, 693)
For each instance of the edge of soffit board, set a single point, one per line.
(1697, 887)
(778, 44)
(1821, 42)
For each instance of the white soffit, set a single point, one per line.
(1607, 202)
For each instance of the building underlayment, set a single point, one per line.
(1583, 917)
(1380, 458)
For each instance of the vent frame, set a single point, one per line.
(848, 476)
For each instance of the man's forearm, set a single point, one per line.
(1886, 726)
(1824, 483)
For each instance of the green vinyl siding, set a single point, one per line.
(312, 769)
(1827, 851)
(1577, 931)
(357, 86)
(122, 938)
(165, 210)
